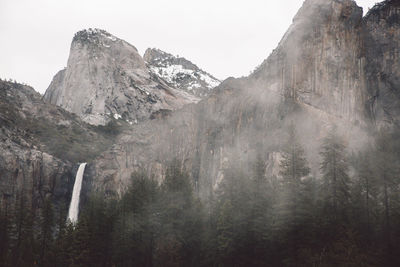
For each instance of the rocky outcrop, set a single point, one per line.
(24, 168)
(106, 77)
(318, 62)
(316, 77)
(382, 53)
(331, 67)
(233, 126)
(336, 61)
(180, 72)
(41, 145)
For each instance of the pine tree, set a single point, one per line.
(46, 233)
(81, 251)
(261, 202)
(137, 222)
(22, 232)
(63, 238)
(294, 165)
(291, 211)
(225, 233)
(293, 168)
(387, 162)
(4, 235)
(336, 181)
(181, 218)
(365, 193)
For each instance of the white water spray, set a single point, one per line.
(74, 206)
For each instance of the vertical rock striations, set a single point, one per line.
(382, 53)
(40, 144)
(318, 62)
(26, 170)
(332, 67)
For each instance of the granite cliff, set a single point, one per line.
(381, 34)
(41, 145)
(321, 73)
(106, 77)
(318, 61)
(333, 66)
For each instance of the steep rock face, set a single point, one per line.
(204, 137)
(24, 168)
(318, 62)
(382, 52)
(41, 145)
(315, 78)
(234, 125)
(180, 72)
(106, 77)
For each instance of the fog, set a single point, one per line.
(226, 38)
(284, 167)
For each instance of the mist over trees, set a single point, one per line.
(347, 215)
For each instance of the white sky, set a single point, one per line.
(224, 37)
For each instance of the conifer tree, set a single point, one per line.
(260, 220)
(291, 211)
(137, 222)
(365, 193)
(4, 235)
(387, 162)
(22, 232)
(336, 181)
(46, 233)
(181, 217)
(225, 233)
(293, 167)
(294, 164)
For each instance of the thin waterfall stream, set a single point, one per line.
(74, 205)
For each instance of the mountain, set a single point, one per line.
(230, 185)
(41, 145)
(319, 60)
(180, 72)
(323, 73)
(333, 59)
(333, 66)
(106, 77)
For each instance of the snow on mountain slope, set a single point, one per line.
(106, 78)
(180, 72)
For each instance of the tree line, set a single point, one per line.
(347, 215)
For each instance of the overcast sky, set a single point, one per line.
(224, 37)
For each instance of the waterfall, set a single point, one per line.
(74, 206)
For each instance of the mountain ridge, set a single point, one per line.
(333, 66)
(180, 72)
(316, 77)
(106, 77)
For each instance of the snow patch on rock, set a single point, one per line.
(180, 73)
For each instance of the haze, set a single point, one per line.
(225, 38)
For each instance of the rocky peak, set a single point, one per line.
(107, 79)
(334, 60)
(318, 61)
(180, 72)
(100, 43)
(158, 57)
(319, 64)
(93, 36)
(319, 8)
(383, 8)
